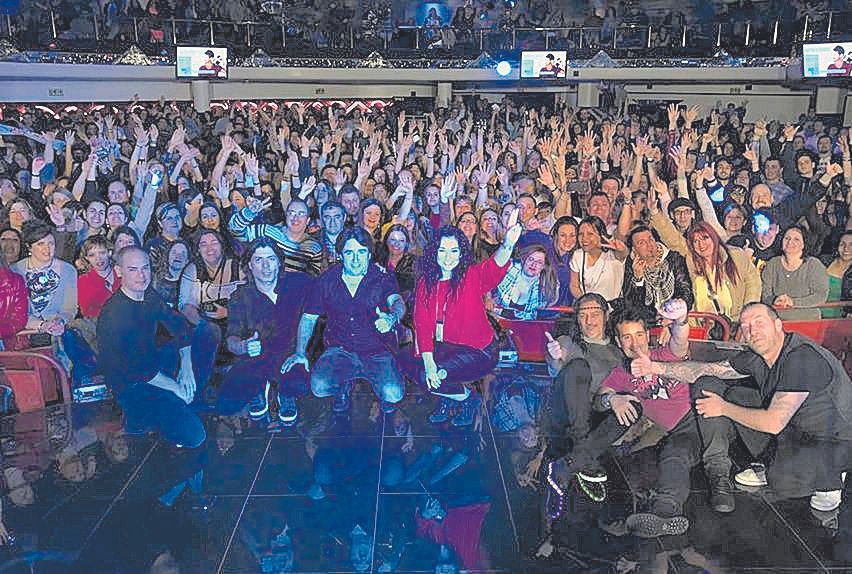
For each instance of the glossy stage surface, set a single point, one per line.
(336, 495)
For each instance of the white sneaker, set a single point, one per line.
(826, 500)
(752, 477)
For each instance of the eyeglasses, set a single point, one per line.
(292, 213)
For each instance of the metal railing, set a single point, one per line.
(98, 33)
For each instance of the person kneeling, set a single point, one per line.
(264, 316)
(153, 388)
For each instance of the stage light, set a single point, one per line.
(504, 68)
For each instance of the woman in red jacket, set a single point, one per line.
(13, 304)
(454, 342)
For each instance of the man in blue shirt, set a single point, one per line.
(262, 321)
(363, 306)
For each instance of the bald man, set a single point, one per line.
(155, 385)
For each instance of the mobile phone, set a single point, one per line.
(310, 132)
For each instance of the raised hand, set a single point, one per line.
(57, 217)
(692, 114)
(251, 166)
(37, 165)
(257, 205)
(790, 131)
(545, 177)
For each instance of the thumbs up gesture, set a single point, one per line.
(554, 348)
(253, 346)
(385, 321)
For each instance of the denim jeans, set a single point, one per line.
(150, 408)
(248, 377)
(337, 366)
(84, 362)
(463, 364)
(801, 464)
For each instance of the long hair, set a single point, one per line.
(252, 248)
(722, 264)
(554, 232)
(382, 250)
(428, 269)
(548, 281)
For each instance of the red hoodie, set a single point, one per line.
(13, 305)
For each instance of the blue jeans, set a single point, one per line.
(81, 354)
(247, 379)
(150, 408)
(338, 366)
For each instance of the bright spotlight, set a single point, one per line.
(504, 68)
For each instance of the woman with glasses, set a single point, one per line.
(530, 284)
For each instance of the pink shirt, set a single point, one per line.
(664, 401)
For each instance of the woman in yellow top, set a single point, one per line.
(723, 277)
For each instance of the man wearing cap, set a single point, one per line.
(682, 213)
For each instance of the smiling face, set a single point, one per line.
(633, 338)
(209, 217)
(171, 222)
(644, 245)
(526, 209)
(793, 243)
(96, 215)
(449, 255)
(265, 265)
(489, 221)
(534, 264)
(10, 244)
(19, 212)
(704, 246)
(356, 258)
(592, 319)
(467, 225)
(590, 239)
(372, 217)
(297, 217)
(178, 257)
(135, 271)
(844, 248)
(600, 207)
(734, 221)
(566, 238)
(210, 249)
(396, 242)
(99, 258)
(43, 250)
(115, 216)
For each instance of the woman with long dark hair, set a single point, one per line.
(454, 342)
(794, 279)
(207, 284)
(598, 266)
(564, 234)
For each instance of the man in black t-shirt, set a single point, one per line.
(155, 385)
(797, 392)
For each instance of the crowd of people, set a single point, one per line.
(338, 24)
(243, 260)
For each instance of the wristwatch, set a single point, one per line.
(605, 401)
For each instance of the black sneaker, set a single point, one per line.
(722, 494)
(287, 412)
(342, 400)
(467, 411)
(647, 525)
(259, 406)
(442, 413)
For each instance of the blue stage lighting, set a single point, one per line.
(504, 68)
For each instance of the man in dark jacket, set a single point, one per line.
(653, 274)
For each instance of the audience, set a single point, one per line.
(345, 226)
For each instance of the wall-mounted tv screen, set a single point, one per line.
(201, 63)
(831, 60)
(547, 65)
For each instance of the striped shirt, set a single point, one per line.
(305, 256)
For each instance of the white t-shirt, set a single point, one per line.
(604, 277)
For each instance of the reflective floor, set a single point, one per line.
(331, 495)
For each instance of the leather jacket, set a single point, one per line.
(13, 305)
(635, 294)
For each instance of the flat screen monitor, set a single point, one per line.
(831, 60)
(201, 63)
(546, 65)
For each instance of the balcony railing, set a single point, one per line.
(94, 33)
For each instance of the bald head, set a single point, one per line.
(134, 267)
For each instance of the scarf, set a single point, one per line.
(504, 291)
(659, 279)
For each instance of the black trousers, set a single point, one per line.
(801, 465)
(570, 407)
(677, 453)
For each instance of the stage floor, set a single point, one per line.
(81, 496)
